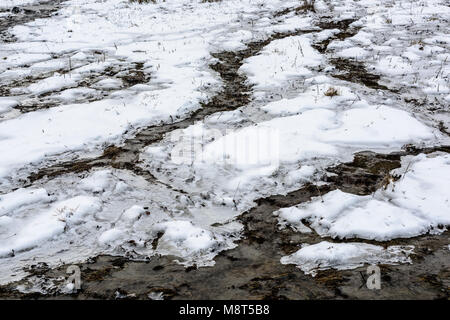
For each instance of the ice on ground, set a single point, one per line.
(343, 256)
(415, 204)
(109, 212)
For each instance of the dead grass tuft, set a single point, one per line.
(331, 92)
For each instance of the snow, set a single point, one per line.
(22, 197)
(13, 3)
(182, 239)
(133, 213)
(343, 256)
(257, 151)
(97, 182)
(30, 230)
(415, 204)
(26, 234)
(76, 63)
(56, 82)
(6, 105)
(282, 60)
(110, 236)
(106, 212)
(378, 125)
(312, 98)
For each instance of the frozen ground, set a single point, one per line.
(156, 131)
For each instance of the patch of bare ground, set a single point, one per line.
(130, 73)
(23, 14)
(305, 6)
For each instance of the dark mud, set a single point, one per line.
(253, 270)
(355, 71)
(369, 171)
(347, 69)
(327, 23)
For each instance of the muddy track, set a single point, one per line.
(307, 5)
(327, 23)
(347, 69)
(236, 93)
(130, 75)
(23, 14)
(253, 270)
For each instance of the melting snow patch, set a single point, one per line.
(110, 236)
(415, 204)
(22, 197)
(313, 98)
(32, 227)
(99, 181)
(184, 240)
(344, 256)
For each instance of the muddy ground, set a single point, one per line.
(252, 270)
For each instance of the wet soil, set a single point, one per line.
(253, 270)
(347, 69)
